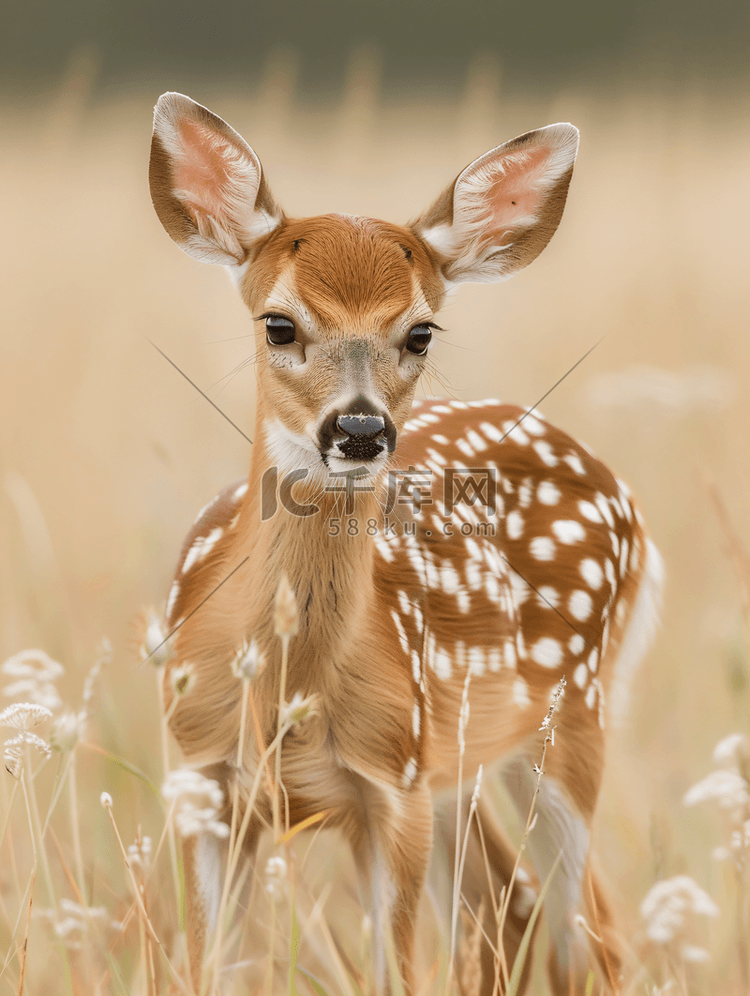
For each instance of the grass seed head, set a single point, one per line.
(285, 616)
(248, 661)
(182, 679)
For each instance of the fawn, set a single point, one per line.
(405, 607)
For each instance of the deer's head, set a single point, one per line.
(344, 306)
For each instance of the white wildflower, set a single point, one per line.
(695, 954)
(184, 782)
(190, 820)
(13, 761)
(73, 922)
(65, 732)
(182, 679)
(740, 839)
(155, 646)
(668, 901)
(34, 672)
(728, 788)
(24, 715)
(248, 661)
(196, 801)
(275, 877)
(106, 800)
(732, 752)
(14, 749)
(139, 853)
(299, 709)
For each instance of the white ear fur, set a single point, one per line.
(503, 208)
(207, 184)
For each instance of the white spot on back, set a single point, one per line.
(574, 462)
(441, 664)
(201, 548)
(533, 426)
(416, 667)
(174, 593)
(542, 548)
(589, 511)
(515, 433)
(603, 505)
(514, 525)
(548, 597)
(384, 549)
(491, 432)
(476, 441)
(477, 661)
(581, 675)
(576, 644)
(401, 631)
(525, 492)
(580, 605)
(544, 452)
(568, 531)
(441, 439)
(547, 652)
(609, 570)
(520, 693)
(591, 573)
(495, 659)
(548, 493)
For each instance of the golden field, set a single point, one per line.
(107, 454)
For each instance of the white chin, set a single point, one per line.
(365, 468)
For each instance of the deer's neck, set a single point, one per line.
(327, 556)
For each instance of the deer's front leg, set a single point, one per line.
(205, 862)
(392, 844)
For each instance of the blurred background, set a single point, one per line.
(106, 453)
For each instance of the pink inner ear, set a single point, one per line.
(205, 172)
(516, 195)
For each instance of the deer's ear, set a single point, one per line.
(503, 209)
(207, 184)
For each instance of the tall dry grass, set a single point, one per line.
(107, 454)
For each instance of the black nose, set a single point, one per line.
(361, 432)
(362, 435)
(361, 426)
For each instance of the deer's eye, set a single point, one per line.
(279, 331)
(419, 339)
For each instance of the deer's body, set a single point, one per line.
(406, 611)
